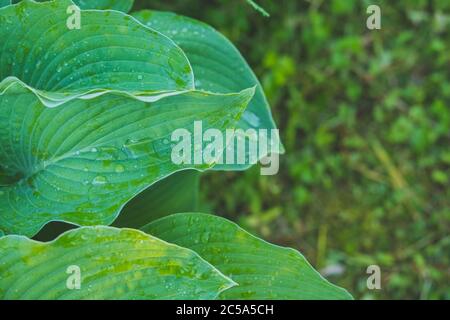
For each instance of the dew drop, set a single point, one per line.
(119, 168)
(99, 180)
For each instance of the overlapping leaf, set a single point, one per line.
(81, 162)
(121, 89)
(218, 67)
(110, 51)
(111, 264)
(177, 193)
(262, 270)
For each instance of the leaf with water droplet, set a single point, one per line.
(262, 270)
(111, 264)
(76, 155)
(99, 181)
(95, 58)
(206, 49)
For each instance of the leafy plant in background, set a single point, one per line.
(86, 117)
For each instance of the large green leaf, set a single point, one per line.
(120, 5)
(262, 270)
(110, 51)
(177, 193)
(218, 67)
(113, 264)
(82, 161)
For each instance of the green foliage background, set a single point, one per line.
(365, 118)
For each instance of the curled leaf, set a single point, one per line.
(109, 51)
(81, 162)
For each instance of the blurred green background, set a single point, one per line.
(365, 118)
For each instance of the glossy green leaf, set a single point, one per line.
(110, 51)
(176, 193)
(111, 264)
(262, 270)
(120, 5)
(218, 66)
(81, 162)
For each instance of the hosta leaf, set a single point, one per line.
(120, 5)
(262, 270)
(177, 193)
(218, 66)
(112, 264)
(110, 51)
(81, 162)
